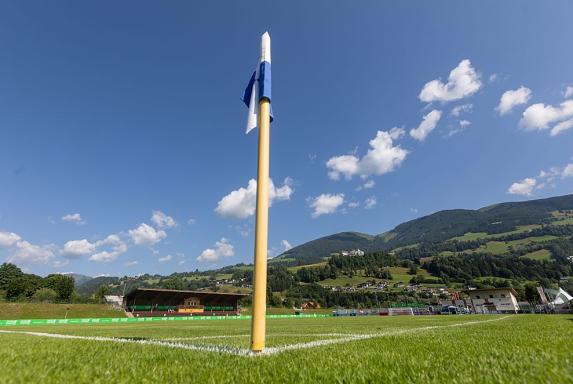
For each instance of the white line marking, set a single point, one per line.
(202, 348)
(340, 338)
(268, 335)
(320, 343)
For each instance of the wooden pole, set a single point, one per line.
(261, 231)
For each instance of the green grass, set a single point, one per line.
(287, 311)
(482, 235)
(9, 311)
(470, 236)
(542, 254)
(501, 247)
(563, 221)
(516, 349)
(315, 265)
(400, 274)
(342, 281)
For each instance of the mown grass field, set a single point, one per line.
(432, 349)
(9, 311)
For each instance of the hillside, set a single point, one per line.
(437, 227)
(79, 279)
(509, 243)
(316, 250)
(90, 286)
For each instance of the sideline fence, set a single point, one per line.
(110, 320)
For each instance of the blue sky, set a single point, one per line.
(123, 130)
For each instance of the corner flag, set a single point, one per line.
(258, 98)
(259, 85)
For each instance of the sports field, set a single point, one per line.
(421, 349)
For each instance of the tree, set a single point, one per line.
(531, 294)
(63, 285)
(23, 287)
(8, 272)
(175, 283)
(45, 295)
(102, 291)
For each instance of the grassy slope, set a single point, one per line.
(399, 275)
(9, 311)
(542, 254)
(518, 349)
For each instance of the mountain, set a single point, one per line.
(315, 250)
(79, 279)
(437, 227)
(92, 285)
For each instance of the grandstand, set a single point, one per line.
(143, 302)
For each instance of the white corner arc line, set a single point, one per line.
(193, 347)
(339, 338)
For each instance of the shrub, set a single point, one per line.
(45, 295)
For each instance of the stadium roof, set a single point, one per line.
(176, 296)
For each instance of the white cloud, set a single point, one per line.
(513, 98)
(8, 239)
(462, 82)
(561, 127)
(241, 203)
(286, 245)
(73, 218)
(353, 204)
(111, 240)
(427, 125)
(370, 202)
(545, 178)
(540, 116)
(493, 77)
(24, 252)
(326, 203)
(463, 124)
(459, 109)
(27, 253)
(74, 249)
(243, 229)
(222, 249)
(568, 92)
(382, 157)
(161, 220)
(567, 171)
(118, 247)
(165, 259)
(61, 263)
(367, 185)
(414, 210)
(104, 257)
(524, 187)
(146, 235)
(132, 263)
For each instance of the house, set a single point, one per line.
(494, 300)
(353, 252)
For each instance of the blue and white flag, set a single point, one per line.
(259, 86)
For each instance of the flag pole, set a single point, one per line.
(261, 226)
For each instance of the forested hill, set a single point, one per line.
(437, 227)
